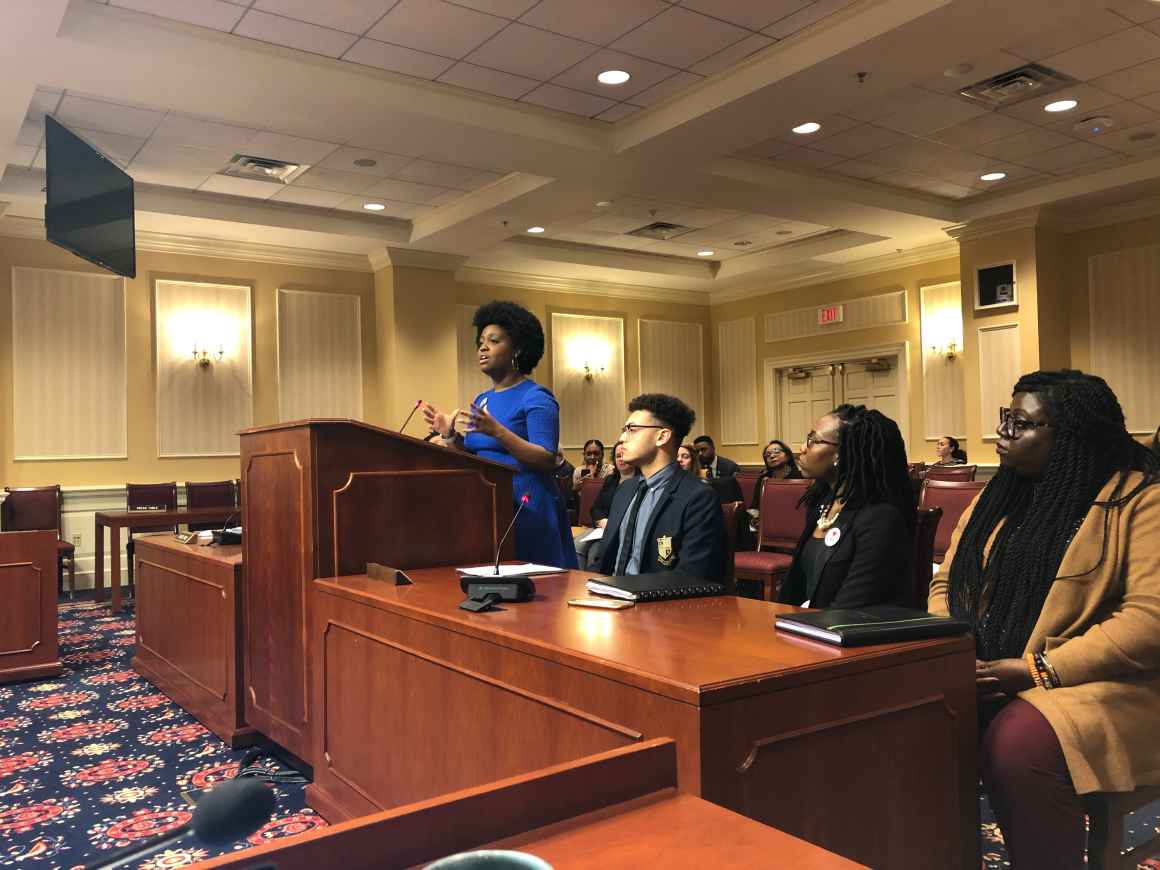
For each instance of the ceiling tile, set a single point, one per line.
(751, 14)
(1109, 54)
(351, 16)
(436, 27)
(1139, 11)
(1134, 140)
(395, 58)
(1024, 144)
(319, 178)
(1059, 160)
(766, 149)
(680, 37)
(811, 14)
(1070, 32)
(343, 159)
(919, 181)
(43, 103)
(1153, 26)
(859, 141)
(31, 134)
(672, 85)
(932, 115)
(735, 53)
(618, 112)
(1135, 81)
(808, 157)
(203, 13)
(202, 133)
(80, 112)
(567, 100)
(448, 197)
(398, 210)
(889, 104)
(582, 77)
(21, 155)
(832, 125)
(116, 147)
(168, 176)
(1151, 100)
(1089, 98)
(612, 223)
(489, 81)
(299, 195)
(526, 51)
(981, 130)
(862, 169)
(597, 21)
(1123, 115)
(440, 174)
(294, 34)
(292, 149)
(405, 191)
(504, 8)
(240, 187)
(982, 67)
(481, 179)
(158, 154)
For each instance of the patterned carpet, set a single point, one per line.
(97, 759)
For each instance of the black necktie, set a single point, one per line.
(629, 541)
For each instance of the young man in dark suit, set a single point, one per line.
(670, 520)
(715, 466)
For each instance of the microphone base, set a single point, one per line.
(221, 536)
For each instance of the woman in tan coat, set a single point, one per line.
(1057, 568)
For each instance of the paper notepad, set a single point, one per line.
(527, 569)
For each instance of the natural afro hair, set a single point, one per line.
(522, 327)
(669, 410)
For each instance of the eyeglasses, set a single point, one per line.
(1016, 427)
(813, 439)
(630, 428)
(774, 451)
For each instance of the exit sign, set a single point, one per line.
(830, 314)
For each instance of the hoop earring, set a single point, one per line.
(516, 362)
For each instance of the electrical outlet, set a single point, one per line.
(76, 540)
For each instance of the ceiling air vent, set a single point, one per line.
(1017, 85)
(660, 230)
(263, 169)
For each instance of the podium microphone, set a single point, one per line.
(511, 525)
(418, 402)
(229, 811)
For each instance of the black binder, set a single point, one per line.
(654, 586)
(879, 624)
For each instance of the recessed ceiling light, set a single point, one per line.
(535, 229)
(959, 69)
(807, 128)
(366, 162)
(613, 77)
(1061, 106)
(373, 206)
(604, 203)
(992, 176)
(705, 253)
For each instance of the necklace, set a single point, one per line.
(825, 520)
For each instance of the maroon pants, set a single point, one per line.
(1030, 790)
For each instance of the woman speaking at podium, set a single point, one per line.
(517, 423)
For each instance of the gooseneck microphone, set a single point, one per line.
(229, 811)
(418, 402)
(523, 503)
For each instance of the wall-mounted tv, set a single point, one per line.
(89, 206)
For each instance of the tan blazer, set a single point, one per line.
(1100, 626)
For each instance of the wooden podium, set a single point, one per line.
(28, 642)
(325, 497)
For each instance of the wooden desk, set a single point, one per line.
(616, 811)
(117, 520)
(28, 623)
(867, 752)
(189, 630)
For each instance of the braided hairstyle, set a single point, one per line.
(871, 464)
(1091, 444)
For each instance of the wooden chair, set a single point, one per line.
(35, 509)
(220, 493)
(1106, 813)
(143, 497)
(732, 512)
(589, 489)
(747, 480)
(781, 525)
(951, 472)
(953, 496)
(926, 524)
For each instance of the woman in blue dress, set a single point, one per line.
(517, 423)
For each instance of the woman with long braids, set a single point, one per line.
(856, 548)
(1056, 566)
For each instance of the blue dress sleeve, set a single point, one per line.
(542, 412)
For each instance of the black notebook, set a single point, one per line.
(879, 624)
(655, 586)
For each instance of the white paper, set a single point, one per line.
(590, 536)
(525, 570)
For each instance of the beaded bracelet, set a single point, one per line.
(1046, 671)
(1033, 669)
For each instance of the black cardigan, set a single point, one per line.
(870, 564)
(602, 504)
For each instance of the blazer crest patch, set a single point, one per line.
(665, 550)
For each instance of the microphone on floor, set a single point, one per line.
(418, 402)
(225, 814)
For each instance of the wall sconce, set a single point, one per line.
(592, 370)
(205, 358)
(950, 350)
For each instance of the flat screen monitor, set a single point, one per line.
(89, 207)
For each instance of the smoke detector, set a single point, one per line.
(262, 169)
(660, 230)
(1016, 85)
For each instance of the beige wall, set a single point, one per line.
(142, 464)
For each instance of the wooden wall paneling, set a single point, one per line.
(592, 408)
(884, 309)
(999, 369)
(319, 355)
(28, 615)
(944, 412)
(201, 409)
(671, 361)
(1125, 308)
(68, 365)
(472, 381)
(737, 376)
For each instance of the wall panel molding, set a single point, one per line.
(319, 355)
(588, 408)
(671, 360)
(884, 309)
(999, 369)
(69, 392)
(941, 320)
(737, 380)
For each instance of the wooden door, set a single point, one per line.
(803, 400)
(861, 385)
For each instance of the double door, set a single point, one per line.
(809, 392)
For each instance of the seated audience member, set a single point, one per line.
(603, 503)
(1056, 566)
(564, 468)
(856, 547)
(668, 521)
(779, 465)
(594, 464)
(949, 453)
(689, 461)
(712, 464)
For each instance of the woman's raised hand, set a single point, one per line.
(439, 422)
